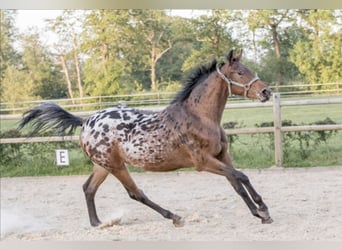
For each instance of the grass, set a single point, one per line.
(257, 151)
(38, 159)
(247, 151)
(298, 114)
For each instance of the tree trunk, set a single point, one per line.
(276, 44)
(154, 86)
(105, 55)
(155, 56)
(66, 73)
(77, 65)
(254, 47)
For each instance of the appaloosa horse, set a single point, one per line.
(186, 133)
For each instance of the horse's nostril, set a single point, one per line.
(266, 92)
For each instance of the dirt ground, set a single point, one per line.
(305, 204)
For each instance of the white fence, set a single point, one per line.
(277, 129)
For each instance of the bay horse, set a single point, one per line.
(187, 133)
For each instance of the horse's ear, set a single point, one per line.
(238, 57)
(230, 57)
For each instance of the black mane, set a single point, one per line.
(193, 80)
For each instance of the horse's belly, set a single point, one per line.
(143, 153)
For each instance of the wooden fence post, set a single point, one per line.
(278, 146)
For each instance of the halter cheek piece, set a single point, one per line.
(230, 82)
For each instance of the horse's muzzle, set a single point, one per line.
(265, 94)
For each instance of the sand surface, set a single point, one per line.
(305, 204)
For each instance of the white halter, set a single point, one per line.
(246, 86)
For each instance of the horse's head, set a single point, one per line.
(241, 80)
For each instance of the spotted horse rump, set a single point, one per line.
(187, 133)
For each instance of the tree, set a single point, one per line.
(268, 66)
(67, 26)
(42, 71)
(318, 55)
(153, 28)
(8, 34)
(105, 43)
(16, 85)
(272, 21)
(213, 36)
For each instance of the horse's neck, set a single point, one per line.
(208, 99)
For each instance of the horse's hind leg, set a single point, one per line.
(135, 193)
(90, 187)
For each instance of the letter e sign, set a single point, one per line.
(62, 157)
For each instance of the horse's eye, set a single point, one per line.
(240, 72)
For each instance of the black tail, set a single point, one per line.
(50, 116)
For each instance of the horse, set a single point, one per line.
(187, 133)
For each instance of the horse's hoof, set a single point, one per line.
(179, 222)
(265, 216)
(96, 224)
(267, 221)
(109, 223)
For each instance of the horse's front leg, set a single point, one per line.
(262, 211)
(242, 186)
(245, 189)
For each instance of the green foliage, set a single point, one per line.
(10, 152)
(268, 69)
(105, 41)
(44, 75)
(232, 138)
(35, 77)
(36, 159)
(125, 51)
(213, 37)
(16, 86)
(169, 67)
(318, 55)
(28, 74)
(171, 86)
(306, 141)
(270, 21)
(8, 56)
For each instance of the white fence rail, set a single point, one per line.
(277, 129)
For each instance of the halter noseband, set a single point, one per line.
(230, 82)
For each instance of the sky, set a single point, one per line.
(26, 19)
(29, 18)
(35, 18)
